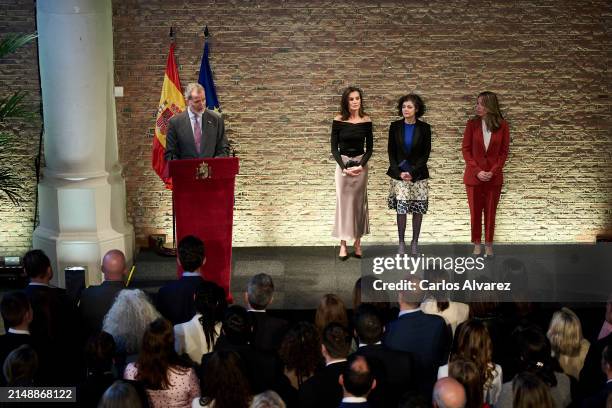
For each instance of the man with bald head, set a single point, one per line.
(97, 300)
(449, 393)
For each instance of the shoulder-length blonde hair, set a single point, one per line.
(565, 333)
(493, 117)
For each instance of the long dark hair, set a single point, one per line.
(300, 350)
(225, 381)
(344, 103)
(211, 304)
(157, 355)
(535, 354)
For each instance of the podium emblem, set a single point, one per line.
(202, 172)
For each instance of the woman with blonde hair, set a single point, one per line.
(566, 341)
(474, 344)
(486, 141)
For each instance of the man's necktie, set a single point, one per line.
(197, 134)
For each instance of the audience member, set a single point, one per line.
(96, 301)
(331, 309)
(121, 394)
(99, 353)
(224, 384)
(474, 343)
(322, 389)
(599, 399)
(568, 345)
(529, 391)
(438, 303)
(535, 357)
(393, 370)
(357, 382)
(268, 331)
(364, 288)
(467, 373)
(17, 315)
(20, 367)
(448, 393)
(427, 337)
(128, 320)
(268, 399)
(198, 336)
(591, 376)
(169, 380)
(175, 299)
(413, 399)
(53, 323)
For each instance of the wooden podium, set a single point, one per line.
(203, 199)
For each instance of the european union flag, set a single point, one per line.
(206, 80)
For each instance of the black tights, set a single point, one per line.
(417, 220)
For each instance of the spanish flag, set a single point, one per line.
(171, 103)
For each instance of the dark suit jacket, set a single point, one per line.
(323, 390)
(175, 299)
(394, 373)
(419, 153)
(591, 376)
(268, 331)
(355, 405)
(428, 338)
(477, 158)
(598, 400)
(95, 302)
(181, 145)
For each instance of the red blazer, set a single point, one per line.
(477, 158)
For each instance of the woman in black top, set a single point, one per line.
(351, 130)
(409, 147)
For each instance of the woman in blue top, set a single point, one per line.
(409, 147)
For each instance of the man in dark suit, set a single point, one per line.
(97, 300)
(357, 381)
(17, 315)
(323, 389)
(598, 399)
(268, 331)
(392, 369)
(175, 299)
(54, 321)
(197, 132)
(427, 337)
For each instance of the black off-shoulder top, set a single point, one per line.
(349, 138)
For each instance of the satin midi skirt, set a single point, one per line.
(352, 218)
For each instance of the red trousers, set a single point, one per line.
(483, 198)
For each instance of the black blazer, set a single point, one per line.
(175, 299)
(323, 390)
(95, 302)
(419, 154)
(268, 331)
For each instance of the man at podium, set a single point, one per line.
(197, 132)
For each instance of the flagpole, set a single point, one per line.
(173, 212)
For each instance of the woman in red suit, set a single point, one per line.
(485, 148)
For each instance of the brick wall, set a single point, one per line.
(280, 67)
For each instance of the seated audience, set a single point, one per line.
(467, 373)
(175, 299)
(96, 301)
(591, 376)
(198, 336)
(268, 331)
(600, 398)
(268, 399)
(300, 353)
(392, 369)
(448, 393)
(168, 379)
(438, 303)
(331, 309)
(568, 345)
(17, 315)
(427, 337)
(474, 343)
(122, 394)
(99, 353)
(357, 382)
(322, 389)
(529, 391)
(224, 384)
(364, 287)
(128, 319)
(535, 357)
(20, 367)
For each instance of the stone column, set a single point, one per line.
(82, 192)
